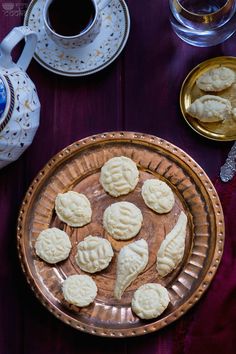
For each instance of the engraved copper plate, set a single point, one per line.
(221, 131)
(77, 167)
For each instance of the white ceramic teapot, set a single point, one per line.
(19, 103)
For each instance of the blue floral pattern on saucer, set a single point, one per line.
(3, 98)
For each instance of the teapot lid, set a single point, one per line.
(6, 100)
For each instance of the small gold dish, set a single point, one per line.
(221, 131)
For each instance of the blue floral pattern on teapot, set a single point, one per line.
(3, 98)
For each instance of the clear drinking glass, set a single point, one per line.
(203, 23)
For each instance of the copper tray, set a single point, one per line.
(77, 167)
(220, 131)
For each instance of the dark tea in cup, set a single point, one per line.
(70, 18)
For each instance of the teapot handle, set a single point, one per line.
(11, 40)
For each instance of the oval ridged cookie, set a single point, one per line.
(122, 220)
(158, 196)
(216, 79)
(53, 245)
(94, 254)
(119, 176)
(150, 300)
(79, 290)
(73, 208)
(210, 108)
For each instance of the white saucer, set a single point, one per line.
(87, 59)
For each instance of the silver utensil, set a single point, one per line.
(228, 170)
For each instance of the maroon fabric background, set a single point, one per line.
(138, 92)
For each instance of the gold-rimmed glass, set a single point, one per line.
(203, 22)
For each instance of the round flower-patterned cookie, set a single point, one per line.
(158, 196)
(73, 208)
(79, 290)
(53, 245)
(122, 220)
(94, 254)
(119, 176)
(150, 300)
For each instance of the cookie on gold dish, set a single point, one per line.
(216, 79)
(210, 108)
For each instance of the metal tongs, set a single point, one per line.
(228, 170)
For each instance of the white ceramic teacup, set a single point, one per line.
(86, 36)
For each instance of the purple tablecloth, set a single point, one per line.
(138, 92)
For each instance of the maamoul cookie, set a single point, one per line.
(216, 79)
(73, 208)
(79, 290)
(53, 245)
(122, 220)
(158, 196)
(234, 113)
(119, 176)
(150, 300)
(132, 260)
(171, 251)
(94, 254)
(210, 108)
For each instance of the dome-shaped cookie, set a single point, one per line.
(150, 300)
(94, 254)
(122, 220)
(53, 245)
(119, 176)
(73, 208)
(79, 290)
(158, 196)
